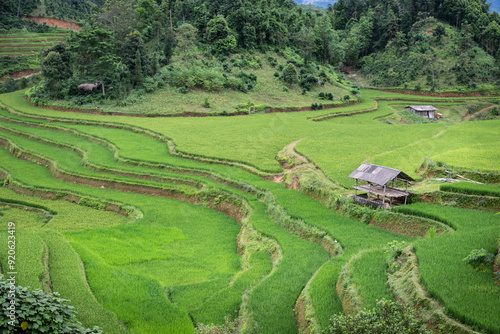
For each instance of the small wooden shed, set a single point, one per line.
(374, 181)
(424, 111)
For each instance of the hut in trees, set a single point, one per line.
(424, 111)
(378, 185)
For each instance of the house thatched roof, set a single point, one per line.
(378, 174)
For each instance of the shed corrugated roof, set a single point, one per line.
(378, 174)
(422, 108)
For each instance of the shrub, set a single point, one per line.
(386, 318)
(290, 74)
(206, 104)
(480, 259)
(36, 312)
(308, 81)
(150, 84)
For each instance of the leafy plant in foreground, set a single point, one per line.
(37, 312)
(387, 317)
(480, 259)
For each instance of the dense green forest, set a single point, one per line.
(135, 45)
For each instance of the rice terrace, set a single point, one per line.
(249, 167)
(155, 225)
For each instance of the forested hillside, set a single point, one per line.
(126, 44)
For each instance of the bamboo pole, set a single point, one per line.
(383, 198)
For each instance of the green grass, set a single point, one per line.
(467, 145)
(227, 301)
(31, 43)
(69, 279)
(472, 189)
(66, 272)
(138, 301)
(180, 260)
(259, 138)
(200, 243)
(29, 249)
(271, 303)
(370, 274)
(468, 295)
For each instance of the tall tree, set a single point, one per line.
(218, 36)
(118, 16)
(492, 34)
(56, 66)
(186, 43)
(93, 50)
(305, 41)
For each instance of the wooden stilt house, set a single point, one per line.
(378, 183)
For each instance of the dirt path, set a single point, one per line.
(468, 117)
(296, 165)
(291, 162)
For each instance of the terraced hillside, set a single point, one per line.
(15, 45)
(176, 222)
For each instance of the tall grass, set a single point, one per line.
(139, 302)
(369, 272)
(69, 279)
(227, 301)
(472, 189)
(188, 253)
(468, 295)
(29, 250)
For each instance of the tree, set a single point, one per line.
(186, 42)
(355, 44)
(305, 41)
(93, 50)
(134, 55)
(138, 75)
(290, 75)
(406, 22)
(118, 16)
(323, 32)
(218, 35)
(492, 34)
(217, 29)
(55, 65)
(169, 43)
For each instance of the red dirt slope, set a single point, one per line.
(54, 22)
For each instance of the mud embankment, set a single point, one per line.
(54, 22)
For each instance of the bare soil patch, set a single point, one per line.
(469, 116)
(19, 75)
(300, 315)
(54, 23)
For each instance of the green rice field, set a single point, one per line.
(158, 225)
(28, 44)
